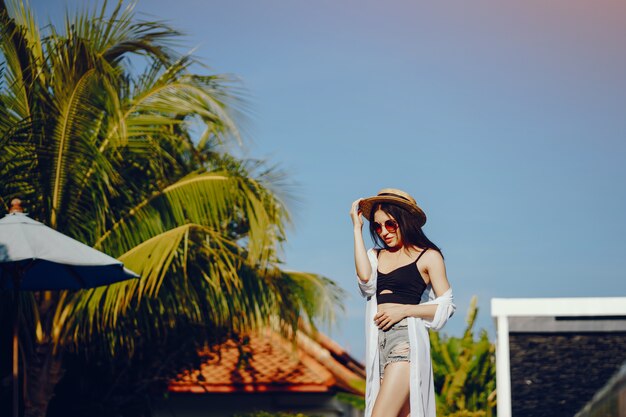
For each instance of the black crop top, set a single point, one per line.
(405, 283)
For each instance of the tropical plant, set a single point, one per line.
(97, 123)
(464, 371)
(356, 401)
(273, 414)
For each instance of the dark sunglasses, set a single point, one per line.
(390, 225)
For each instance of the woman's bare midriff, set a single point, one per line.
(390, 304)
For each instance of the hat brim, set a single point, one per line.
(367, 204)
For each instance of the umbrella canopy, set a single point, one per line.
(43, 259)
(35, 257)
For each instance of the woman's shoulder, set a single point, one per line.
(426, 254)
(431, 256)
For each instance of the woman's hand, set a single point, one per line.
(388, 315)
(355, 214)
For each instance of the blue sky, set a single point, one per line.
(505, 120)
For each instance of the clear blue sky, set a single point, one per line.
(505, 120)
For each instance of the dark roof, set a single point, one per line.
(555, 374)
(609, 399)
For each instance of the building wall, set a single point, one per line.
(556, 374)
(231, 404)
(553, 354)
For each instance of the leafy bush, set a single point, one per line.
(272, 414)
(465, 372)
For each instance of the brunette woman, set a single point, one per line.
(404, 280)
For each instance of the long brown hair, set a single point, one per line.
(410, 230)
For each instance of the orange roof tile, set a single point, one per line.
(275, 364)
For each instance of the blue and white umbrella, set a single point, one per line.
(35, 257)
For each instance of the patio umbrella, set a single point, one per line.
(35, 257)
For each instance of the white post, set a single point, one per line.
(503, 372)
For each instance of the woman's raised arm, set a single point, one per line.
(361, 262)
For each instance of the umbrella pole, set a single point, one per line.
(16, 395)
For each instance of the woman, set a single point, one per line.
(404, 280)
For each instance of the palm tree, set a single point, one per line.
(464, 372)
(97, 125)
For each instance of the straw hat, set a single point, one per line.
(393, 196)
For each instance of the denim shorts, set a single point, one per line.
(393, 344)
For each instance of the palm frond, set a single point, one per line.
(22, 52)
(197, 265)
(214, 199)
(314, 296)
(96, 310)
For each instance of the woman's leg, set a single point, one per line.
(405, 411)
(394, 391)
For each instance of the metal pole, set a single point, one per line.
(16, 394)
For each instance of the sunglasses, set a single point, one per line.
(390, 225)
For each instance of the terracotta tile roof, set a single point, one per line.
(274, 364)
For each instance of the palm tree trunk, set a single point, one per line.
(43, 373)
(43, 367)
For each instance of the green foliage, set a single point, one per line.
(272, 414)
(467, 413)
(105, 151)
(356, 401)
(464, 371)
